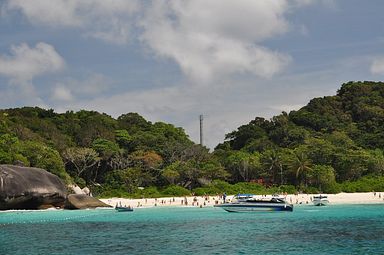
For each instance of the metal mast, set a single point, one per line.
(201, 130)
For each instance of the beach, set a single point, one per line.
(204, 201)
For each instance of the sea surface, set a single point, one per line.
(333, 229)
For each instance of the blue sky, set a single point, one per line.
(172, 60)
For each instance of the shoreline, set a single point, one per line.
(206, 201)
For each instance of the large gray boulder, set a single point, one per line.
(82, 201)
(30, 188)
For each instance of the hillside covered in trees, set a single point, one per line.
(335, 143)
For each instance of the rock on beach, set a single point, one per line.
(30, 188)
(81, 201)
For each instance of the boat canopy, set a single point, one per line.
(320, 197)
(244, 195)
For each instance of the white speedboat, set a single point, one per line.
(252, 203)
(320, 200)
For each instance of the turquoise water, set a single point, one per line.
(335, 229)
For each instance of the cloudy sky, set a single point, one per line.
(172, 60)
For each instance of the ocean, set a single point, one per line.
(333, 229)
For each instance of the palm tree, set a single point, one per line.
(301, 165)
(274, 163)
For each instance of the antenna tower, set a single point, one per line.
(201, 130)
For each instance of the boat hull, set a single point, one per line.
(320, 202)
(241, 207)
(124, 209)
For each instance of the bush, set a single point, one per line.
(80, 182)
(311, 190)
(332, 189)
(289, 189)
(207, 190)
(215, 188)
(107, 192)
(365, 184)
(146, 192)
(247, 187)
(219, 187)
(174, 190)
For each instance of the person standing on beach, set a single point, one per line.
(224, 197)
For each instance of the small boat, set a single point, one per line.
(121, 208)
(124, 209)
(320, 200)
(252, 203)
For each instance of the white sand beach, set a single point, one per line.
(203, 201)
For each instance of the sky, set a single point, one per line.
(173, 60)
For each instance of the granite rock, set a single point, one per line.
(81, 201)
(30, 188)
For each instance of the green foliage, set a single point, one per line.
(243, 166)
(272, 162)
(365, 184)
(344, 132)
(300, 165)
(133, 122)
(172, 172)
(215, 188)
(219, 187)
(174, 190)
(80, 181)
(10, 150)
(151, 191)
(332, 139)
(323, 177)
(108, 192)
(123, 139)
(289, 189)
(80, 160)
(105, 148)
(246, 134)
(42, 156)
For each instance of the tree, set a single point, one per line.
(212, 170)
(171, 173)
(273, 162)
(11, 150)
(105, 148)
(376, 163)
(133, 122)
(300, 165)
(245, 134)
(120, 161)
(351, 164)
(243, 166)
(82, 159)
(320, 151)
(42, 156)
(323, 177)
(128, 179)
(93, 125)
(124, 139)
(149, 162)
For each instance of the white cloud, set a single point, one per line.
(21, 66)
(61, 93)
(207, 39)
(52, 13)
(25, 63)
(377, 66)
(215, 38)
(108, 20)
(71, 89)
